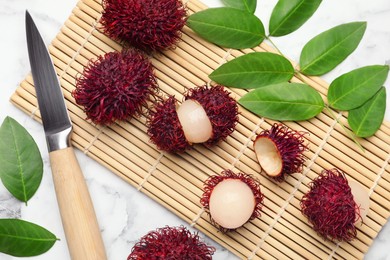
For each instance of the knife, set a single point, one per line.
(77, 213)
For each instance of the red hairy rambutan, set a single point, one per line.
(164, 127)
(115, 86)
(206, 115)
(151, 25)
(171, 243)
(330, 206)
(232, 199)
(280, 151)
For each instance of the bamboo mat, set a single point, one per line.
(175, 181)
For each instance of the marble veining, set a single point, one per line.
(124, 213)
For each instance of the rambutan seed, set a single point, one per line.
(150, 25)
(115, 86)
(171, 243)
(232, 199)
(280, 151)
(331, 208)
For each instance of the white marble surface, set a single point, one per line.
(125, 214)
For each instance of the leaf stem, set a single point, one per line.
(275, 46)
(349, 133)
(299, 75)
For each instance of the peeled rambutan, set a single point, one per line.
(333, 206)
(207, 115)
(174, 243)
(220, 107)
(150, 25)
(232, 199)
(115, 86)
(280, 151)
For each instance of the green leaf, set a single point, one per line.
(254, 70)
(284, 102)
(228, 27)
(245, 5)
(353, 89)
(367, 119)
(328, 49)
(21, 162)
(289, 15)
(21, 238)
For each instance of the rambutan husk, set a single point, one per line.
(115, 86)
(214, 180)
(330, 206)
(164, 128)
(171, 243)
(220, 107)
(279, 151)
(150, 25)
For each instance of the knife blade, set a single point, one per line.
(77, 213)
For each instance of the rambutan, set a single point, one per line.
(232, 199)
(171, 243)
(220, 107)
(115, 86)
(150, 25)
(280, 151)
(207, 115)
(333, 206)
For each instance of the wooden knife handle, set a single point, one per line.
(78, 215)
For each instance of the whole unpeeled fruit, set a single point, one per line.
(115, 86)
(171, 243)
(333, 207)
(151, 25)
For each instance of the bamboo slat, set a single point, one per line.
(176, 180)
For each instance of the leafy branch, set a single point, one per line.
(360, 91)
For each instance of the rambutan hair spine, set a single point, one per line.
(159, 244)
(144, 24)
(335, 206)
(206, 115)
(280, 151)
(116, 86)
(232, 199)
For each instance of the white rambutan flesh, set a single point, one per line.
(268, 156)
(231, 203)
(195, 123)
